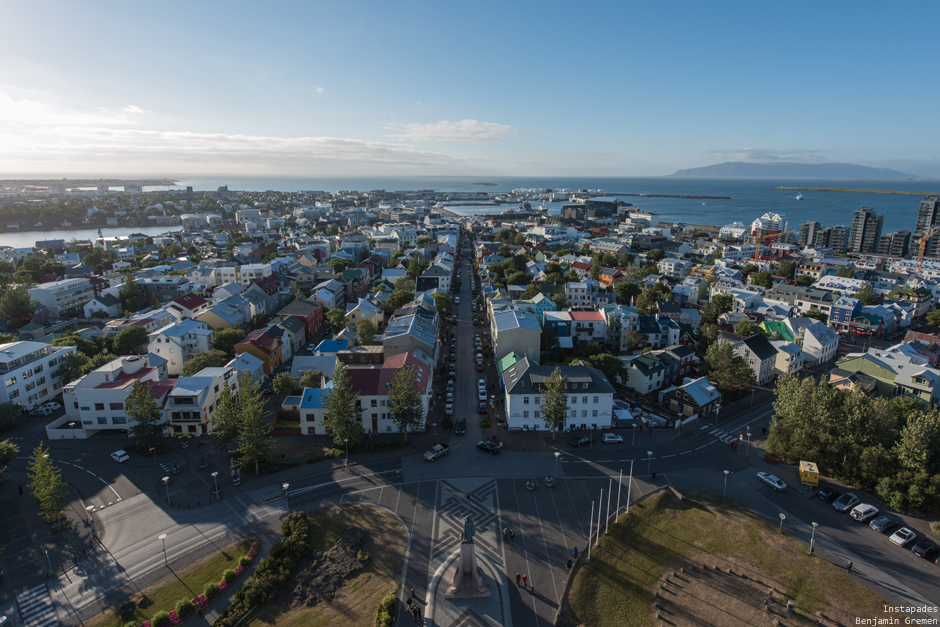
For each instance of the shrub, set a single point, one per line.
(935, 527)
(229, 576)
(183, 607)
(244, 561)
(387, 607)
(210, 590)
(447, 423)
(486, 423)
(362, 557)
(160, 619)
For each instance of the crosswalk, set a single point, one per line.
(724, 436)
(36, 608)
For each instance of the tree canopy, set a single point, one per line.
(341, 419)
(130, 341)
(16, 306)
(555, 401)
(365, 332)
(726, 370)
(404, 401)
(225, 339)
(206, 359)
(144, 417)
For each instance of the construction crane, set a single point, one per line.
(760, 238)
(922, 245)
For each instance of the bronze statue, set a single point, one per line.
(468, 531)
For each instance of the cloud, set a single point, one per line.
(133, 109)
(319, 90)
(462, 131)
(764, 154)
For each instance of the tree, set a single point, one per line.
(284, 384)
(919, 443)
(611, 366)
(416, 267)
(311, 379)
(531, 291)
(8, 451)
(46, 484)
(656, 255)
(561, 301)
(718, 305)
(398, 298)
(16, 306)
(225, 339)
(72, 366)
(505, 251)
(846, 272)
(519, 240)
(339, 265)
(205, 359)
(727, 371)
(650, 295)
(804, 280)
(625, 260)
(517, 278)
(747, 328)
(365, 331)
(70, 338)
(749, 269)
(818, 315)
(337, 318)
(786, 269)
(225, 420)
(404, 400)
(626, 291)
(405, 285)
(442, 301)
(555, 401)
(762, 279)
(144, 417)
(868, 296)
(130, 340)
(636, 340)
(933, 318)
(253, 440)
(341, 418)
(132, 297)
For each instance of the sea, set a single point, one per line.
(747, 198)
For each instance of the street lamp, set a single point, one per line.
(434, 432)
(812, 539)
(215, 480)
(166, 482)
(748, 449)
(725, 490)
(71, 426)
(346, 440)
(162, 538)
(783, 517)
(717, 411)
(154, 451)
(284, 487)
(649, 462)
(557, 455)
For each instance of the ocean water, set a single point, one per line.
(749, 198)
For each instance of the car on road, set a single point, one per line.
(449, 409)
(456, 300)
(863, 512)
(452, 369)
(481, 384)
(584, 440)
(40, 411)
(52, 406)
(311, 348)
(845, 502)
(480, 366)
(450, 385)
(453, 356)
(903, 536)
(612, 438)
(829, 494)
(482, 408)
(453, 348)
(883, 523)
(460, 427)
(490, 447)
(772, 481)
(120, 456)
(925, 549)
(481, 395)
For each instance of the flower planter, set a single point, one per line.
(549, 481)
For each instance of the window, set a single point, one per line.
(375, 416)
(584, 413)
(382, 403)
(574, 413)
(119, 420)
(14, 393)
(217, 389)
(102, 421)
(595, 400)
(537, 414)
(11, 381)
(375, 403)
(76, 405)
(99, 406)
(538, 400)
(525, 400)
(574, 400)
(525, 414)
(594, 414)
(116, 406)
(584, 400)
(586, 385)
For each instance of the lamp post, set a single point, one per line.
(783, 517)
(284, 487)
(166, 482)
(717, 411)
(346, 441)
(557, 455)
(72, 427)
(434, 432)
(649, 462)
(154, 451)
(724, 491)
(215, 480)
(635, 427)
(812, 539)
(752, 398)
(91, 519)
(748, 449)
(162, 538)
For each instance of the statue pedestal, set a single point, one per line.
(468, 582)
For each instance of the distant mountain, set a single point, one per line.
(814, 171)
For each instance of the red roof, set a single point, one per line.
(365, 380)
(580, 265)
(586, 315)
(190, 301)
(406, 360)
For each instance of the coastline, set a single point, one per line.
(858, 190)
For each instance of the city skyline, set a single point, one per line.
(421, 89)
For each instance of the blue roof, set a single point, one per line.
(333, 346)
(312, 398)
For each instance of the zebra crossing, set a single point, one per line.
(724, 436)
(36, 607)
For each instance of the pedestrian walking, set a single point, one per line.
(518, 576)
(848, 567)
(525, 581)
(512, 535)
(505, 533)
(764, 430)
(568, 565)
(575, 552)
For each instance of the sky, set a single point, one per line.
(360, 88)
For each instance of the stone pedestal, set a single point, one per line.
(468, 582)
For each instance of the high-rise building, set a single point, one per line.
(896, 243)
(866, 231)
(834, 237)
(809, 233)
(928, 218)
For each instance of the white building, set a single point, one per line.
(179, 341)
(590, 396)
(191, 404)
(29, 371)
(64, 298)
(769, 222)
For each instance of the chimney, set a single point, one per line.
(132, 365)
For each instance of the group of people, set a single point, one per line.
(415, 610)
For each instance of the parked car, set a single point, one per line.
(452, 368)
(612, 438)
(883, 523)
(449, 409)
(52, 406)
(460, 427)
(829, 494)
(772, 481)
(482, 408)
(863, 512)
(481, 395)
(845, 502)
(480, 366)
(120, 456)
(456, 300)
(584, 440)
(903, 536)
(40, 411)
(481, 384)
(925, 549)
(490, 447)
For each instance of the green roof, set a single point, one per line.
(779, 328)
(508, 361)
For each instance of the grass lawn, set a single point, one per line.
(187, 583)
(644, 552)
(357, 602)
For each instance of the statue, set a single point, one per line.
(468, 531)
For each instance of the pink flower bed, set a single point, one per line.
(201, 602)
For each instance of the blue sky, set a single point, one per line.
(426, 88)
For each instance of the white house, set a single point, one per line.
(29, 372)
(191, 404)
(106, 304)
(179, 341)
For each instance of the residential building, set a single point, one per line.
(866, 231)
(928, 224)
(620, 321)
(66, 298)
(179, 341)
(105, 305)
(695, 397)
(410, 333)
(516, 332)
(646, 373)
(311, 314)
(757, 352)
(264, 347)
(818, 342)
(590, 396)
(895, 243)
(192, 403)
(29, 370)
(789, 358)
